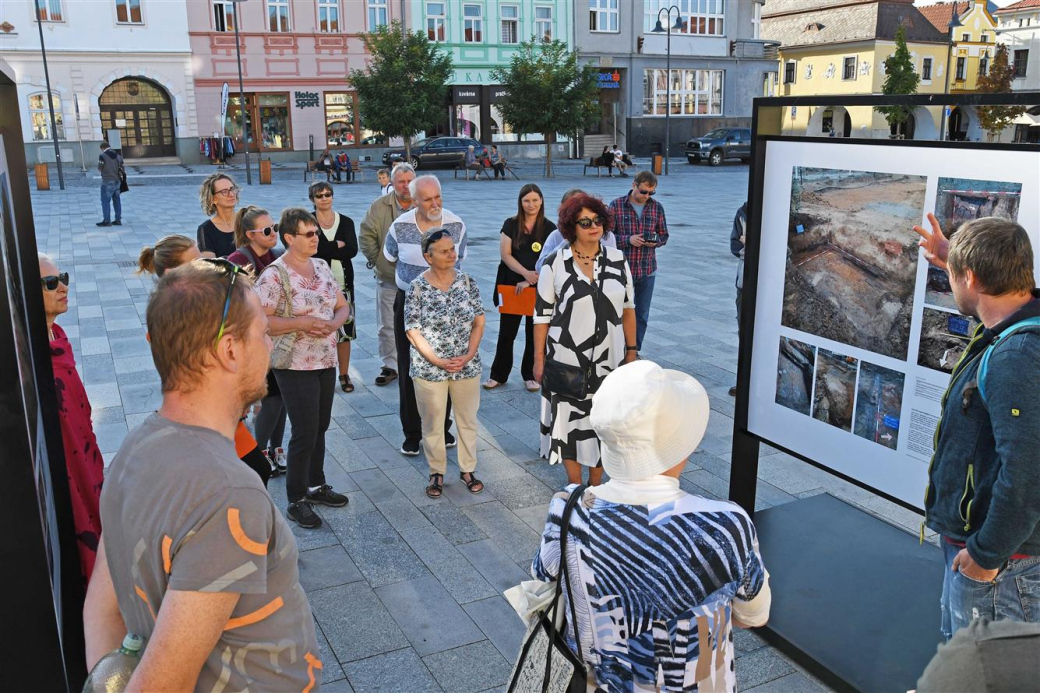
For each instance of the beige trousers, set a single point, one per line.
(432, 400)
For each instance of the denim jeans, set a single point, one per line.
(644, 290)
(1013, 595)
(110, 197)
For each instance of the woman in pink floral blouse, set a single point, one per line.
(305, 308)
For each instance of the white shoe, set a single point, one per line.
(490, 384)
(532, 385)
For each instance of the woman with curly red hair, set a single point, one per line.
(584, 328)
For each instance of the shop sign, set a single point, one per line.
(465, 94)
(609, 79)
(498, 94)
(306, 99)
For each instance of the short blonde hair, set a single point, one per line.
(997, 252)
(206, 191)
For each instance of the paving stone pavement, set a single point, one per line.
(406, 591)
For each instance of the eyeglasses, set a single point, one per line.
(227, 192)
(228, 268)
(267, 230)
(648, 193)
(586, 222)
(322, 196)
(50, 282)
(306, 234)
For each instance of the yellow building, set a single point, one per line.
(974, 41)
(839, 47)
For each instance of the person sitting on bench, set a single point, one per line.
(606, 159)
(327, 164)
(471, 162)
(342, 163)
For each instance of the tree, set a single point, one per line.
(547, 92)
(994, 119)
(900, 78)
(403, 89)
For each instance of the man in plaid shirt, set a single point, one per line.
(640, 229)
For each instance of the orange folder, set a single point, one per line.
(516, 304)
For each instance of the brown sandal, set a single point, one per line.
(436, 487)
(345, 384)
(472, 483)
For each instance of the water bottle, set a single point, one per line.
(113, 671)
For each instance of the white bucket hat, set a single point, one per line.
(649, 419)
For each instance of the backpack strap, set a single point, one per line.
(980, 377)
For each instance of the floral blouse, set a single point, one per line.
(445, 319)
(310, 298)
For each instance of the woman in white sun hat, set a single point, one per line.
(647, 560)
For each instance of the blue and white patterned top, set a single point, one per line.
(655, 585)
(445, 319)
(403, 245)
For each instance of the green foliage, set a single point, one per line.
(547, 91)
(900, 78)
(998, 80)
(402, 92)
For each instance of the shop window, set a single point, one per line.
(129, 12)
(603, 15)
(377, 14)
(223, 15)
(543, 23)
(848, 68)
(328, 16)
(510, 24)
(267, 121)
(339, 119)
(278, 15)
(49, 11)
(40, 116)
(435, 21)
(467, 120)
(694, 92)
(699, 17)
(473, 23)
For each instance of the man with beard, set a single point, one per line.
(194, 557)
(403, 246)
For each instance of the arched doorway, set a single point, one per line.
(904, 130)
(824, 120)
(140, 110)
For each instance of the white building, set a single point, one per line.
(1018, 27)
(114, 64)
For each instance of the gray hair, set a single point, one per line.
(401, 167)
(44, 257)
(413, 187)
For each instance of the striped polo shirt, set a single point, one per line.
(403, 245)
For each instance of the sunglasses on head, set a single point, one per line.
(267, 230)
(433, 238)
(234, 270)
(322, 195)
(648, 193)
(587, 222)
(50, 282)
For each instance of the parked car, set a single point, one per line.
(436, 151)
(720, 144)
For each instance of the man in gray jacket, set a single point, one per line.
(374, 227)
(110, 164)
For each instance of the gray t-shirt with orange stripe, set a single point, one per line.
(180, 511)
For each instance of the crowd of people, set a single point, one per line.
(180, 542)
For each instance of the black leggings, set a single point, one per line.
(308, 402)
(508, 326)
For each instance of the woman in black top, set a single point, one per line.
(337, 245)
(520, 243)
(218, 197)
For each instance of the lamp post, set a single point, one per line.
(50, 101)
(954, 23)
(667, 11)
(241, 92)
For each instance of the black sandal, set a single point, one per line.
(345, 384)
(473, 481)
(436, 486)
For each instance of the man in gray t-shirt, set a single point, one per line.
(110, 164)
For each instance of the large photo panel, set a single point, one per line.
(855, 335)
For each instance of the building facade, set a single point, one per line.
(973, 42)
(1018, 27)
(115, 65)
(718, 65)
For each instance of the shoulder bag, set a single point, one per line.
(573, 382)
(284, 344)
(546, 663)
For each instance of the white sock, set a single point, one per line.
(314, 489)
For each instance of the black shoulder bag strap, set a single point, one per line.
(562, 574)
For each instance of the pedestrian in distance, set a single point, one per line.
(584, 321)
(652, 569)
(305, 308)
(168, 252)
(194, 557)
(737, 240)
(444, 322)
(620, 162)
(555, 240)
(641, 229)
(326, 163)
(383, 178)
(983, 493)
(606, 158)
(343, 166)
(374, 228)
(84, 466)
(218, 197)
(520, 241)
(110, 164)
(471, 162)
(498, 163)
(337, 245)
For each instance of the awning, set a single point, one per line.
(1026, 119)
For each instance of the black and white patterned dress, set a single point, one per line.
(565, 302)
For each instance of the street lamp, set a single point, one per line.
(50, 100)
(954, 23)
(667, 11)
(241, 92)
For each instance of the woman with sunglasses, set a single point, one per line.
(519, 244)
(305, 308)
(337, 245)
(83, 462)
(585, 321)
(218, 197)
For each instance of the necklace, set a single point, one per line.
(582, 256)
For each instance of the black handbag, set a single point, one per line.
(546, 663)
(566, 380)
(123, 187)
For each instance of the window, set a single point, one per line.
(328, 16)
(983, 65)
(49, 11)
(278, 15)
(543, 23)
(510, 24)
(700, 17)
(472, 24)
(40, 116)
(1021, 58)
(223, 15)
(603, 15)
(267, 120)
(128, 12)
(789, 72)
(435, 21)
(377, 14)
(339, 119)
(965, 37)
(694, 92)
(962, 65)
(848, 69)
(926, 69)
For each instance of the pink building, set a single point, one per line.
(296, 55)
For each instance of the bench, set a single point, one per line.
(311, 168)
(476, 174)
(356, 170)
(594, 162)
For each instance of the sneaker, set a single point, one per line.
(303, 514)
(386, 376)
(279, 460)
(103, 223)
(410, 448)
(117, 222)
(733, 391)
(274, 468)
(449, 440)
(326, 496)
(532, 385)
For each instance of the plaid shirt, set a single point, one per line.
(642, 261)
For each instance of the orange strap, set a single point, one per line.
(245, 443)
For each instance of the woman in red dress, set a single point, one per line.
(83, 461)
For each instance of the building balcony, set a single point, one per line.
(754, 49)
